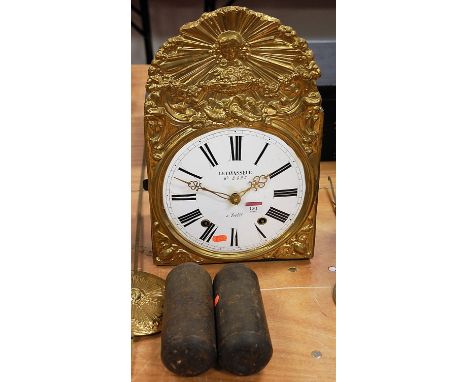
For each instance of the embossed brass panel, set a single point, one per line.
(233, 68)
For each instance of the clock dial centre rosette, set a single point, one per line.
(232, 178)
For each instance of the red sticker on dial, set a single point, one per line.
(219, 238)
(253, 203)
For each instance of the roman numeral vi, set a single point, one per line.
(234, 240)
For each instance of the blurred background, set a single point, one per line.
(154, 21)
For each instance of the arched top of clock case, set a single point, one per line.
(233, 46)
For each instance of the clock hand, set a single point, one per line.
(256, 183)
(195, 185)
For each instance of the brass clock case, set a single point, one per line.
(232, 68)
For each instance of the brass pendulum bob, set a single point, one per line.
(147, 303)
(147, 289)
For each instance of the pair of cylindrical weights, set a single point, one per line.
(207, 324)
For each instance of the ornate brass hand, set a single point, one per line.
(256, 183)
(195, 185)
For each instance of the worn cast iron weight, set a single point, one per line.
(244, 344)
(188, 340)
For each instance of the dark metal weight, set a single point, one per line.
(188, 340)
(244, 344)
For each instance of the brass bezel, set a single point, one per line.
(232, 68)
(175, 145)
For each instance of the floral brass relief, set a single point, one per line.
(232, 67)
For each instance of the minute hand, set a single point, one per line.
(195, 185)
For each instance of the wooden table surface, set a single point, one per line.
(298, 305)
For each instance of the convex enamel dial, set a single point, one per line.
(233, 190)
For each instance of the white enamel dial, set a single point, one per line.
(261, 170)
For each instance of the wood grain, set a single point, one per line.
(298, 305)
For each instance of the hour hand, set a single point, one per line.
(196, 185)
(256, 183)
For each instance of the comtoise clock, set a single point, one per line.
(233, 128)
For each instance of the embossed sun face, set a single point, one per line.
(234, 190)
